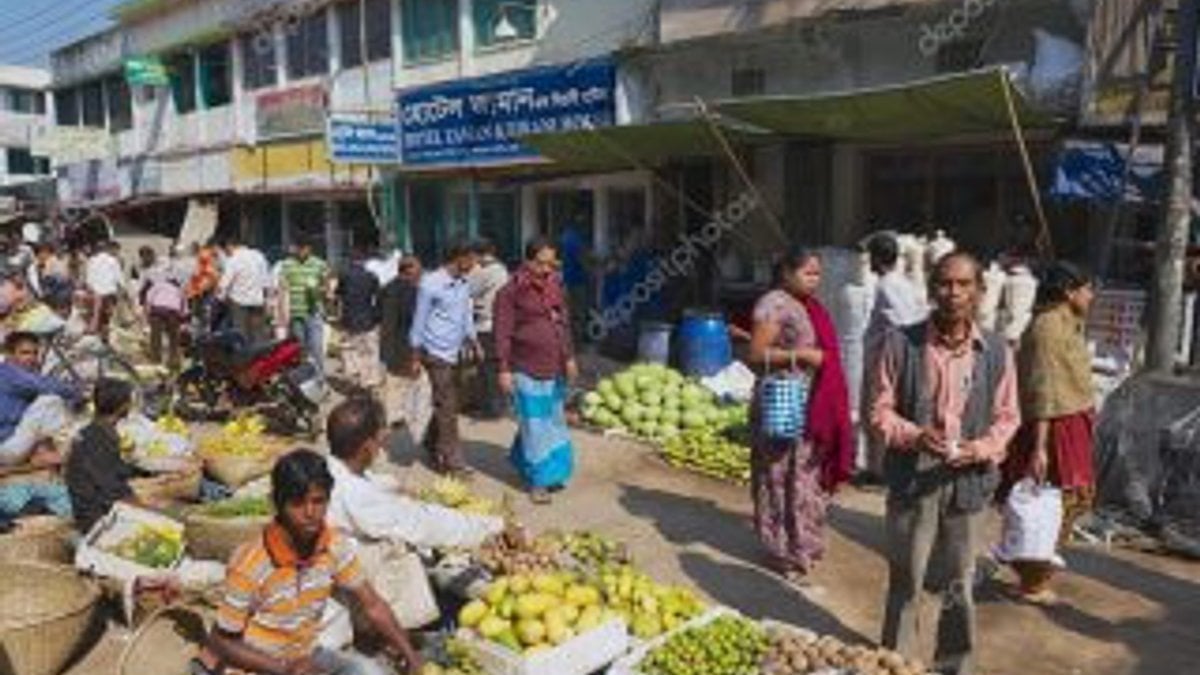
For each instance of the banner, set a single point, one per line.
(354, 142)
(291, 112)
(479, 121)
(71, 145)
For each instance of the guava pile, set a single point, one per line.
(654, 402)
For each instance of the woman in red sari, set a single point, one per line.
(1057, 402)
(793, 479)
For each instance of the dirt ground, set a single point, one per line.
(1122, 613)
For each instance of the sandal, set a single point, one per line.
(540, 496)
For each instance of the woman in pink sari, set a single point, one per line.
(793, 479)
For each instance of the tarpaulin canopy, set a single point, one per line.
(1094, 171)
(634, 146)
(930, 109)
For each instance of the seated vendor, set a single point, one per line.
(365, 509)
(20, 309)
(33, 407)
(277, 587)
(96, 475)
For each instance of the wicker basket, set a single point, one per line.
(166, 642)
(237, 470)
(169, 487)
(38, 539)
(211, 538)
(43, 624)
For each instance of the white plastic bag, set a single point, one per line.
(1032, 519)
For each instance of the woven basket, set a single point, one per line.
(237, 470)
(211, 538)
(43, 624)
(38, 539)
(169, 487)
(166, 642)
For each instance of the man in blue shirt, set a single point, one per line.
(443, 328)
(33, 408)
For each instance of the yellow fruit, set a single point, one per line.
(583, 596)
(646, 626)
(533, 605)
(531, 632)
(507, 608)
(535, 649)
(496, 592)
(519, 584)
(509, 639)
(548, 583)
(492, 627)
(589, 619)
(472, 613)
(570, 613)
(432, 669)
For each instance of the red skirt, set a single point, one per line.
(1070, 446)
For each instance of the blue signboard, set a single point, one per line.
(354, 142)
(478, 121)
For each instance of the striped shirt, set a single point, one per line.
(274, 599)
(304, 283)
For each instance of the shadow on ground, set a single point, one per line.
(684, 520)
(486, 458)
(1162, 644)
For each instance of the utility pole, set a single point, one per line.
(1166, 301)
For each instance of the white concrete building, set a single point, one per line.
(22, 110)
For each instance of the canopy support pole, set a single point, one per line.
(1045, 241)
(740, 168)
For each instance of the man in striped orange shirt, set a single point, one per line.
(277, 586)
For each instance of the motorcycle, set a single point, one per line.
(274, 380)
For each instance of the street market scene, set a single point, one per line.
(582, 337)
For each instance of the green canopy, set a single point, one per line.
(633, 146)
(931, 109)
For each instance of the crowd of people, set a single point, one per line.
(956, 415)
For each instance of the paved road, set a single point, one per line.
(1123, 613)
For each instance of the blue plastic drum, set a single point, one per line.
(704, 344)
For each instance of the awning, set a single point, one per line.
(635, 146)
(931, 109)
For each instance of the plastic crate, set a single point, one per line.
(122, 521)
(581, 655)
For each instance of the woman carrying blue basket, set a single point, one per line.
(537, 360)
(803, 442)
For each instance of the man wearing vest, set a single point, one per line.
(944, 403)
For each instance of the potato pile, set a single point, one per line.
(515, 552)
(800, 652)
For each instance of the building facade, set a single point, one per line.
(23, 106)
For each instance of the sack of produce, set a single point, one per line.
(240, 452)
(214, 531)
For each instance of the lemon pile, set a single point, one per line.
(529, 614)
(241, 437)
(648, 608)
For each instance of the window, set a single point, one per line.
(182, 69)
(27, 101)
(349, 20)
(92, 104)
(216, 75)
(748, 82)
(379, 30)
(21, 163)
(66, 107)
(308, 47)
(430, 29)
(258, 61)
(120, 104)
(518, 15)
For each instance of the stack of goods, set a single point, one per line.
(711, 453)
(516, 552)
(655, 403)
(591, 551)
(799, 652)
(455, 494)
(528, 614)
(727, 645)
(151, 546)
(648, 608)
(240, 452)
(156, 446)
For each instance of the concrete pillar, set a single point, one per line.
(601, 218)
(529, 213)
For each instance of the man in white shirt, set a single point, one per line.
(244, 285)
(898, 303)
(485, 281)
(105, 280)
